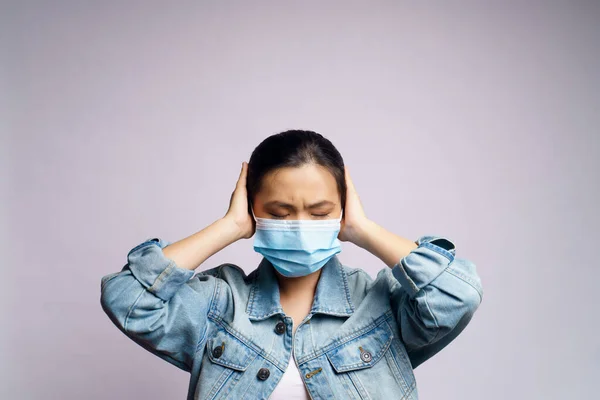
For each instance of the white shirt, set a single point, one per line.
(290, 387)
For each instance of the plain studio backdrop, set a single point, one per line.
(476, 120)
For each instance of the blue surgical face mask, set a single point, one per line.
(297, 247)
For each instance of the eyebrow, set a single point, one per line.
(281, 204)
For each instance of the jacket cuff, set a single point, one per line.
(425, 263)
(157, 273)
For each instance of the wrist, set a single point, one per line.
(231, 231)
(365, 231)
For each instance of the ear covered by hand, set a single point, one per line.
(238, 210)
(354, 218)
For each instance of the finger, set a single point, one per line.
(349, 183)
(242, 178)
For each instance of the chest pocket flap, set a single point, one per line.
(363, 351)
(229, 351)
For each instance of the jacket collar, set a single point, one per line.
(332, 296)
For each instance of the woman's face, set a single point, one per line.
(306, 192)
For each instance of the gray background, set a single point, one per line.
(123, 121)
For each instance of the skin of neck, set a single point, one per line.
(300, 288)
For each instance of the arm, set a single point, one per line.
(152, 299)
(434, 294)
(154, 302)
(438, 293)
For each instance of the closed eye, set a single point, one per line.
(283, 216)
(278, 216)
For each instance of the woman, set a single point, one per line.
(301, 325)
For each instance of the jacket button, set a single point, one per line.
(263, 374)
(280, 328)
(217, 352)
(366, 356)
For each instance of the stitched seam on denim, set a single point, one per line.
(161, 278)
(245, 392)
(438, 249)
(405, 360)
(213, 311)
(275, 339)
(202, 337)
(220, 361)
(395, 370)
(312, 338)
(251, 301)
(360, 387)
(411, 389)
(270, 314)
(233, 380)
(142, 245)
(233, 366)
(132, 307)
(464, 277)
(409, 375)
(250, 306)
(219, 383)
(364, 274)
(127, 319)
(327, 311)
(437, 326)
(467, 280)
(328, 385)
(350, 308)
(243, 396)
(412, 284)
(348, 385)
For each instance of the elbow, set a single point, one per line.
(117, 296)
(111, 306)
(457, 306)
(471, 300)
(465, 284)
(467, 303)
(475, 298)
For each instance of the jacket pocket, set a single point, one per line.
(370, 367)
(362, 352)
(227, 350)
(226, 359)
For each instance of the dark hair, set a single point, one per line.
(294, 148)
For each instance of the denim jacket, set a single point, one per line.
(361, 339)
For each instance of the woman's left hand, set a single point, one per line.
(354, 221)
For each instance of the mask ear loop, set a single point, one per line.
(252, 209)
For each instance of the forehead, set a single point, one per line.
(298, 184)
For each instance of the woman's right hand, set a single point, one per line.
(238, 207)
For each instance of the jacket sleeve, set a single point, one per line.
(156, 304)
(437, 296)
